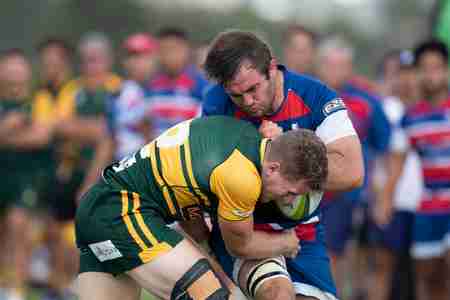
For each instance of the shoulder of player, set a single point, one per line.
(239, 173)
(309, 88)
(216, 100)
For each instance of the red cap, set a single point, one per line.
(140, 43)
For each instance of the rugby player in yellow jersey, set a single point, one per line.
(218, 165)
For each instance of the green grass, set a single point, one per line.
(37, 294)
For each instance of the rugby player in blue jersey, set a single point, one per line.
(251, 86)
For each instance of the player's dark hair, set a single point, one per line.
(230, 49)
(55, 42)
(302, 155)
(176, 32)
(433, 45)
(13, 52)
(295, 29)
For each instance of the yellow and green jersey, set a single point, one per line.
(209, 164)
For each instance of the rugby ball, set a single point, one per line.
(302, 207)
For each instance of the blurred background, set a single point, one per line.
(373, 26)
(84, 82)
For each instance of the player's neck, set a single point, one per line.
(279, 91)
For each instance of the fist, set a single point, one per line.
(269, 129)
(292, 244)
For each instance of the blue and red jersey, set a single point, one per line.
(175, 99)
(427, 129)
(306, 104)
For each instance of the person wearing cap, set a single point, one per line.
(392, 224)
(128, 122)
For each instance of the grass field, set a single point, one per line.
(37, 295)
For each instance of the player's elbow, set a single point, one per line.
(356, 176)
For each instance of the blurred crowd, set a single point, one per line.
(63, 122)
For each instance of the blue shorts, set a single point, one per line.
(337, 217)
(431, 235)
(310, 270)
(395, 236)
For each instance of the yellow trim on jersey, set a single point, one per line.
(159, 180)
(237, 183)
(128, 223)
(172, 172)
(148, 234)
(188, 160)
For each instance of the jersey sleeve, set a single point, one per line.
(335, 126)
(325, 102)
(237, 184)
(215, 101)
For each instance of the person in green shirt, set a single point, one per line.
(21, 136)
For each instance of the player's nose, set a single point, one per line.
(248, 99)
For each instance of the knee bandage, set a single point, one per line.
(200, 282)
(265, 270)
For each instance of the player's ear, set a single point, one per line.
(273, 67)
(273, 167)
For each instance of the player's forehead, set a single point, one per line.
(246, 76)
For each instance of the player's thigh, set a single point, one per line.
(182, 270)
(265, 279)
(104, 286)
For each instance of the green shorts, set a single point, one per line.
(117, 230)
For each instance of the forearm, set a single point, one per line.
(103, 155)
(28, 139)
(82, 130)
(260, 245)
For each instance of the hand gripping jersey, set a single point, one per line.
(209, 164)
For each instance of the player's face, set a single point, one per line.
(53, 63)
(276, 187)
(16, 78)
(174, 54)
(139, 67)
(251, 91)
(433, 73)
(299, 53)
(95, 61)
(335, 69)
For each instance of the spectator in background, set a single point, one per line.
(392, 229)
(50, 103)
(177, 90)
(130, 127)
(425, 128)
(84, 122)
(86, 144)
(200, 53)
(335, 68)
(299, 49)
(20, 135)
